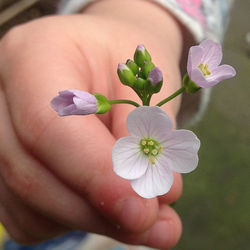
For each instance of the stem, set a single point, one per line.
(122, 101)
(178, 92)
(146, 102)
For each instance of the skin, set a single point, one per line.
(56, 173)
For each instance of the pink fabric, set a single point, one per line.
(193, 8)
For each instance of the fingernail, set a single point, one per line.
(159, 234)
(130, 212)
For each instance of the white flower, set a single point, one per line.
(148, 157)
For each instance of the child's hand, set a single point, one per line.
(56, 173)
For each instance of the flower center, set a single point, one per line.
(150, 148)
(204, 69)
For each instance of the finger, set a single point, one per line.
(164, 234)
(167, 231)
(31, 182)
(35, 226)
(76, 149)
(14, 231)
(175, 192)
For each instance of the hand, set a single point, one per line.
(56, 173)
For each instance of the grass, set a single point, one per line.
(215, 206)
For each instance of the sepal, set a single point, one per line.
(103, 105)
(190, 86)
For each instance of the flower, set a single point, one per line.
(203, 65)
(153, 150)
(74, 102)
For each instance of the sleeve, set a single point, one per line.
(205, 19)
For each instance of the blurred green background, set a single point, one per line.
(215, 206)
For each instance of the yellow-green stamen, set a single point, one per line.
(204, 69)
(151, 148)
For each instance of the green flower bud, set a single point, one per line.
(133, 66)
(141, 55)
(146, 68)
(140, 83)
(126, 75)
(190, 86)
(103, 105)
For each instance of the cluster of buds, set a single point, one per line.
(141, 75)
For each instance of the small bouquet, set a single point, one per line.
(154, 149)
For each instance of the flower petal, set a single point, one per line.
(198, 78)
(58, 103)
(194, 58)
(128, 161)
(157, 180)
(221, 73)
(148, 121)
(212, 53)
(180, 150)
(84, 107)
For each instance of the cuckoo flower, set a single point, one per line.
(74, 102)
(203, 65)
(153, 150)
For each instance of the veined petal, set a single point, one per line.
(128, 161)
(157, 180)
(212, 53)
(194, 58)
(180, 151)
(84, 107)
(148, 121)
(198, 78)
(222, 72)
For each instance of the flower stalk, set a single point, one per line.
(123, 101)
(178, 92)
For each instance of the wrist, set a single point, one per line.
(153, 21)
(142, 21)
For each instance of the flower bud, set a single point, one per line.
(141, 55)
(103, 105)
(140, 83)
(156, 79)
(133, 66)
(190, 86)
(74, 102)
(146, 68)
(126, 75)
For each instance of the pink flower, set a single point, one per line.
(203, 65)
(74, 102)
(148, 157)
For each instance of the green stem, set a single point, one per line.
(122, 101)
(146, 102)
(178, 92)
